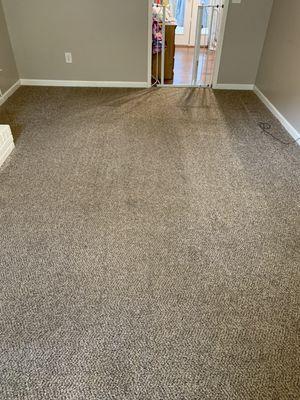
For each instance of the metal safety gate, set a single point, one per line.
(199, 68)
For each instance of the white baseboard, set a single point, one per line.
(9, 92)
(6, 143)
(233, 86)
(287, 125)
(99, 84)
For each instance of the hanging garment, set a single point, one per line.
(180, 11)
(156, 36)
(163, 2)
(157, 13)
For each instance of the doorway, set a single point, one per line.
(191, 34)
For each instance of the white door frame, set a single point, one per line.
(220, 44)
(218, 51)
(149, 43)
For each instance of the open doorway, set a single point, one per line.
(186, 38)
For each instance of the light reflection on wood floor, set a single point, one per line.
(184, 65)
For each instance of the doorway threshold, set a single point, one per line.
(184, 86)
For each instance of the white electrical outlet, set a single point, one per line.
(68, 57)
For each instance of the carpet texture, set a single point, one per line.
(149, 248)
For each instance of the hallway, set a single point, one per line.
(184, 66)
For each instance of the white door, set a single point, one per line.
(185, 12)
(183, 16)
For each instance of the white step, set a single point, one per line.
(6, 143)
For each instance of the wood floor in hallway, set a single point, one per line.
(184, 65)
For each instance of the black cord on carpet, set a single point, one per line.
(265, 128)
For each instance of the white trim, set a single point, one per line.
(6, 143)
(233, 86)
(100, 84)
(149, 43)
(286, 124)
(220, 45)
(9, 92)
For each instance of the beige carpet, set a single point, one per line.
(149, 248)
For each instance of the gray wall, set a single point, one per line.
(244, 37)
(278, 75)
(108, 38)
(9, 75)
